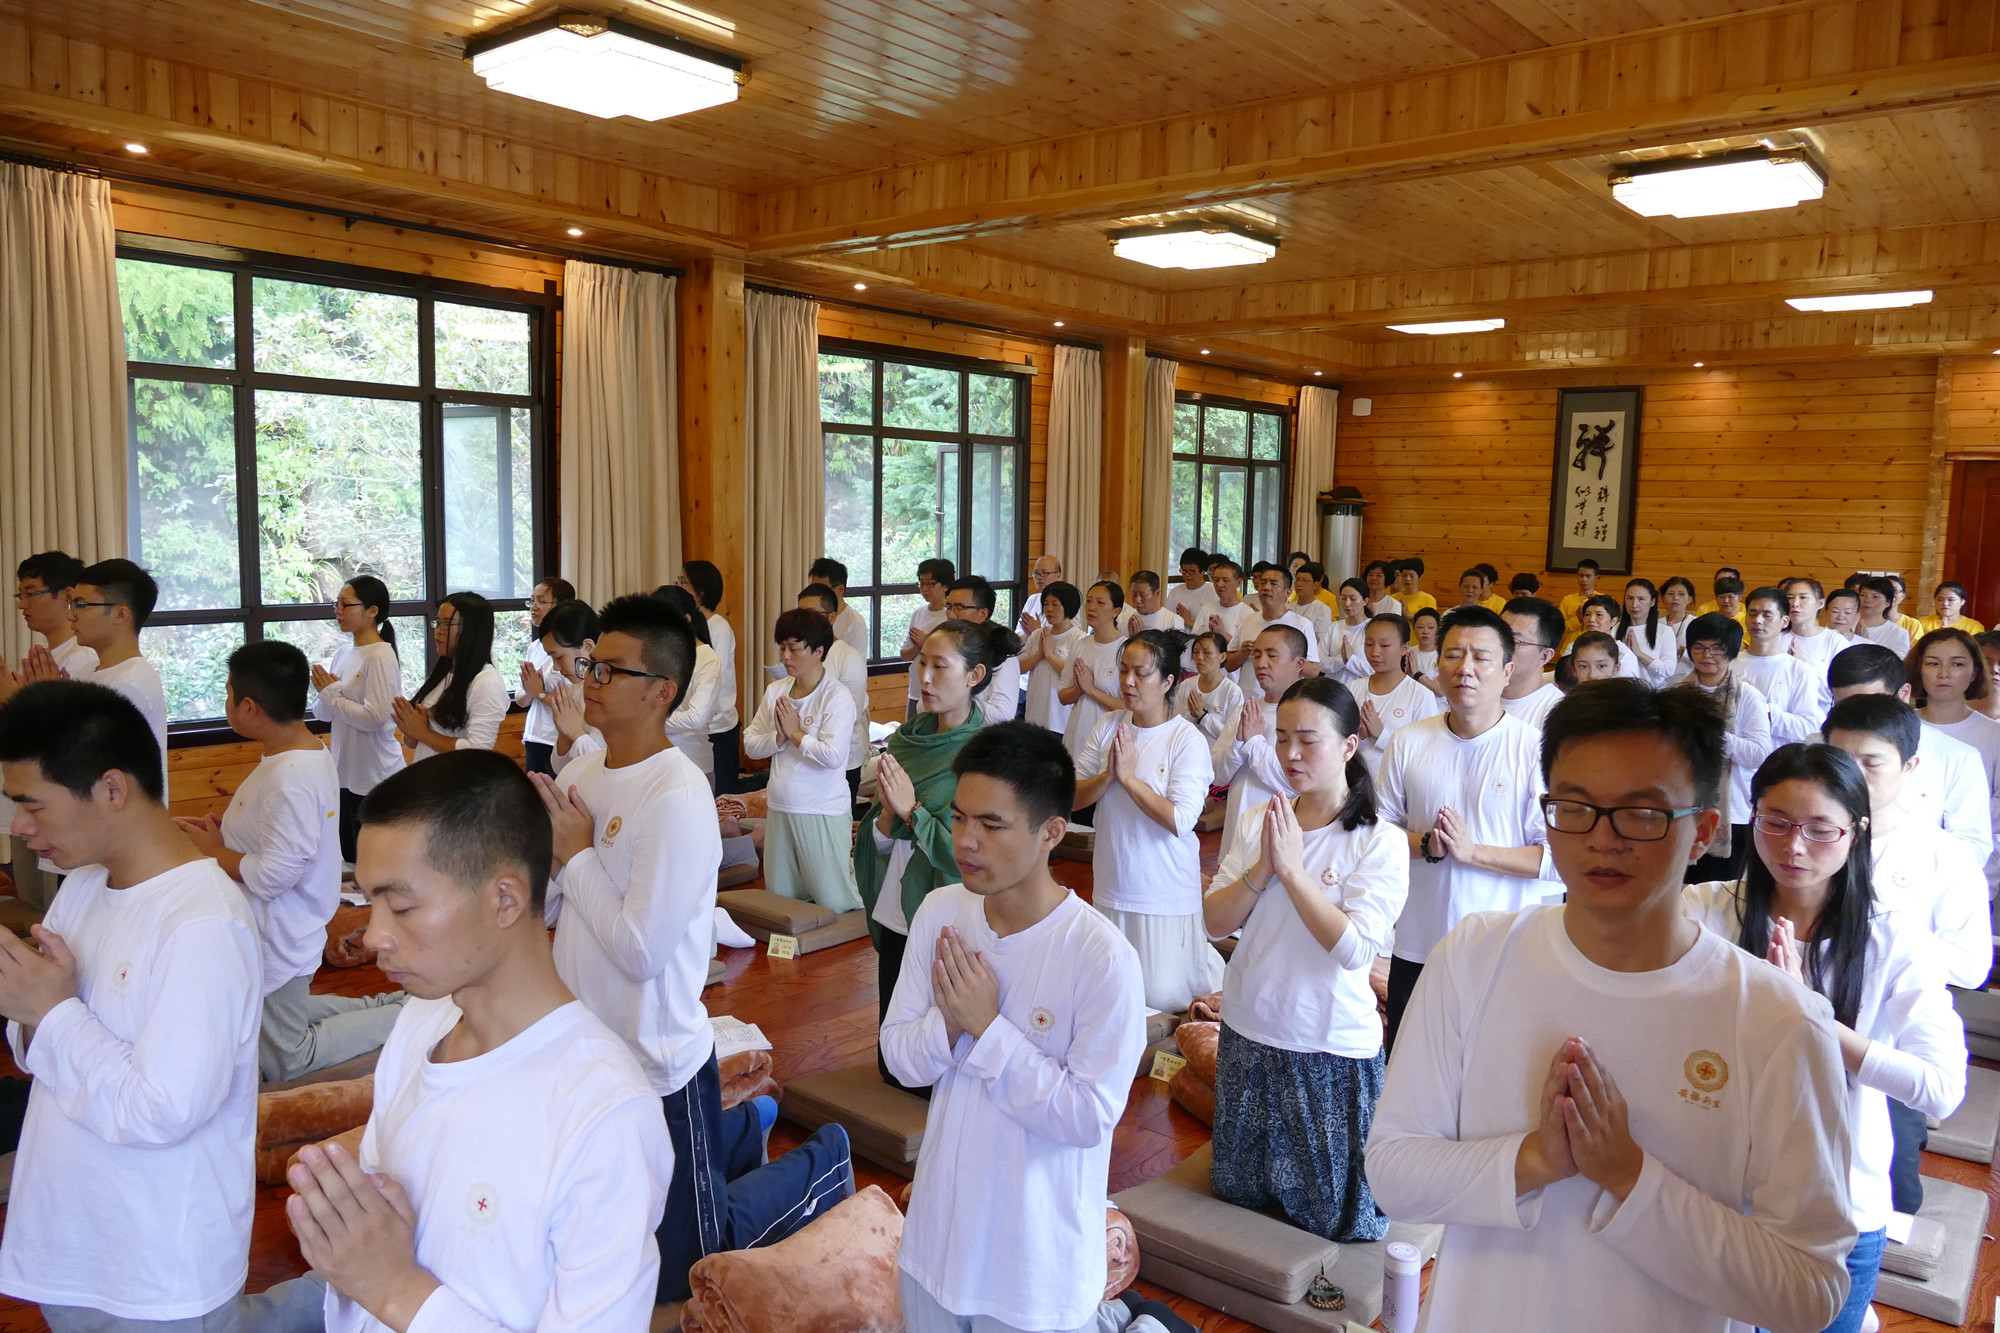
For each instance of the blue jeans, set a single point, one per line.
(1864, 1265)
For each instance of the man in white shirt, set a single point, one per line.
(135, 1011)
(850, 668)
(1226, 614)
(1244, 751)
(1189, 598)
(1538, 632)
(849, 626)
(1811, 642)
(280, 840)
(934, 580)
(1023, 1010)
(1465, 788)
(108, 608)
(515, 1163)
(638, 848)
(971, 598)
(703, 581)
(1045, 571)
(1147, 608)
(1798, 699)
(1624, 1121)
(1269, 610)
(42, 587)
(1308, 581)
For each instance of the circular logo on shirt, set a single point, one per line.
(1328, 878)
(482, 1205)
(611, 829)
(1395, 712)
(122, 975)
(1706, 1071)
(1041, 1020)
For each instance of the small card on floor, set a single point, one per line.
(1165, 1066)
(1899, 1227)
(783, 946)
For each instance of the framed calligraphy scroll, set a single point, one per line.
(1596, 474)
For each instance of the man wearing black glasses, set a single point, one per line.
(1538, 631)
(42, 585)
(1624, 1121)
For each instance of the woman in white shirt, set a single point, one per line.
(1208, 696)
(463, 699)
(1147, 770)
(1090, 679)
(1343, 653)
(560, 631)
(1713, 641)
(1315, 885)
(1424, 646)
(357, 694)
(803, 727)
(1676, 600)
(689, 724)
(1806, 903)
(1646, 636)
(1048, 652)
(725, 736)
(538, 729)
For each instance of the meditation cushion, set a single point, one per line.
(349, 1140)
(730, 876)
(885, 1125)
(1970, 1132)
(1198, 1043)
(837, 1274)
(1121, 1253)
(763, 914)
(1959, 1212)
(290, 1119)
(1161, 1026)
(1919, 1256)
(1206, 1008)
(1193, 1095)
(1078, 844)
(746, 1074)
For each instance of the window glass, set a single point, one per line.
(1228, 482)
(992, 404)
(489, 538)
(1266, 436)
(1225, 433)
(302, 328)
(339, 493)
(482, 349)
(177, 315)
(184, 480)
(193, 662)
(923, 397)
(919, 482)
(319, 640)
(846, 389)
(850, 503)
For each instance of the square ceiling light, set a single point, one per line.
(1195, 244)
(1747, 181)
(604, 67)
(1860, 301)
(1453, 326)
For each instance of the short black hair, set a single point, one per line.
(1315, 571)
(1775, 596)
(56, 569)
(1716, 628)
(570, 623)
(1878, 584)
(126, 584)
(1028, 758)
(981, 590)
(1881, 715)
(1866, 664)
(1487, 572)
(1594, 639)
(828, 571)
(1423, 611)
(1728, 586)
(1413, 563)
(1065, 594)
(805, 626)
(1549, 625)
(1262, 565)
(1224, 562)
(1193, 555)
(1393, 621)
(1146, 577)
(272, 674)
(822, 594)
(1589, 564)
(706, 580)
(1477, 617)
(683, 601)
(1524, 583)
(1848, 593)
(1690, 718)
(1290, 635)
(561, 589)
(480, 814)
(666, 640)
(78, 732)
(940, 570)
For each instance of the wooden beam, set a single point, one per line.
(1119, 508)
(709, 313)
(1781, 67)
(1937, 496)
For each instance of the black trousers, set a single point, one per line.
(1911, 1131)
(889, 966)
(728, 747)
(540, 757)
(350, 823)
(1722, 867)
(1403, 976)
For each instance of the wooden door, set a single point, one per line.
(1972, 552)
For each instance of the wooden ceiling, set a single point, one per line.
(1420, 158)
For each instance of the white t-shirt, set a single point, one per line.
(1494, 782)
(851, 670)
(1320, 616)
(1140, 866)
(364, 723)
(1200, 599)
(1250, 769)
(1949, 788)
(922, 621)
(1890, 635)
(1021, 1117)
(1798, 701)
(635, 911)
(1225, 620)
(1408, 702)
(1283, 987)
(1216, 704)
(134, 1183)
(1044, 709)
(1818, 651)
(1746, 746)
(539, 726)
(809, 778)
(1533, 709)
(851, 628)
(1001, 700)
(1160, 619)
(1930, 877)
(693, 718)
(1387, 606)
(485, 704)
(1734, 1087)
(284, 820)
(1086, 712)
(538, 1172)
(136, 679)
(723, 640)
(1664, 648)
(1246, 635)
(1423, 663)
(1982, 734)
(1916, 1043)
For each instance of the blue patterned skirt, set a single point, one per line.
(1289, 1128)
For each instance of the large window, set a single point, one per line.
(923, 458)
(293, 428)
(1229, 480)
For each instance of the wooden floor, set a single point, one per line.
(819, 1012)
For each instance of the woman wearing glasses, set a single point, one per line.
(1713, 641)
(464, 698)
(357, 694)
(1806, 902)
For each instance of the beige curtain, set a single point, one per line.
(1076, 461)
(1312, 464)
(63, 447)
(784, 471)
(1156, 491)
(621, 463)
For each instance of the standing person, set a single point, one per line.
(1307, 585)
(637, 846)
(1640, 632)
(1676, 602)
(1947, 676)
(1806, 903)
(848, 624)
(903, 850)
(1408, 572)
(1344, 651)
(1424, 627)
(356, 693)
(110, 604)
(1798, 701)
(463, 699)
(538, 729)
(1538, 628)
(1088, 685)
(1298, 1070)
(1812, 643)
(1554, 1096)
(1572, 603)
(1146, 770)
(934, 580)
(1388, 699)
(1046, 570)
(703, 581)
(693, 718)
(1381, 602)
(1713, 641)
(972, 600)
(1877, 599)
(1242, 756)
(1843, 617)
(1464, 788)
(279, 839)
(1211, 694)
(1047, 655)
(851, 670)
(1269, 605)
(565, 630)
(1022, 1010)
(1950, 599)
(803, 728)
(43, 584)
(1229, 611)
(135, 1011)
(1189, 598)
(1148, 611)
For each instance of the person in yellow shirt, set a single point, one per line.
(1914, 626)
(1326, 597)
(1721, 573)
(1572, 605)
(1414, 599)
(1729, 599)
(1949, 599)
(1492, 601)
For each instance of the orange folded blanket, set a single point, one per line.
(291, 1119)
(746, 1074)
(835, 1275)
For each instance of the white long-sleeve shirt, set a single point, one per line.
(809, 778)
(851, 670)
(635, 911)
(284, 821)
(134, 1184)
(1044, 709)
(1250, 769)
(1084, 714)
(539, 726)
(1140, 865)
(538, 1172)
(1745, 745)
(1798, 700)
(1949, 788)
(1982, 735)
(1732, 1079)
(693, 718)
(486, 703)
(359, 707)
(722, 638)
(1928, 876)
(1001, 700)
(1216, 704)
(1021, 1118)
(1663, 647)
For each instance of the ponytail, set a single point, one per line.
(1168, 648)
(985, 644)
(1335, 698)
(373, 594)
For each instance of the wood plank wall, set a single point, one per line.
(202, 778)
(1201, 377)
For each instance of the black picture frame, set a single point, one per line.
(1594, 478)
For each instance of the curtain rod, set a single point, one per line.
(346, 215)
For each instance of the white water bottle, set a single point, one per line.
(1402, 1265)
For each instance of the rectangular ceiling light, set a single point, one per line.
(604, 67)
(1453, 326)
(1749, 181)
(1193, 245)
(1863, 301)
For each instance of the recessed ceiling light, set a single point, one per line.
(1194, 244)
(860, 286)
(1458, 374)
(1864, 301)
(604, 67)
(1318, 373)
(575, 231)
(135, 148)
(1699, 364)
(1059, 323)
(1204, 351)
(1750, 181)
(1453, 326)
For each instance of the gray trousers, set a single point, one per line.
(224, 1318)
(298, 1306)
(304, 1032)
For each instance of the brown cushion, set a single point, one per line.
(837, 1274)
(343, 937)
(291, 1118)
(730, 876)
(1079, 844)
(746, 1074)
(763, 914)
(1180, 1220)
(1197, 1042)
(278, 1161)
(1121, 1253)
(883, 1124)
(1193, 1095)
(843, 928)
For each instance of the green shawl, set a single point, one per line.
(926, 754)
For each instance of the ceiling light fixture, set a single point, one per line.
(1751, 180)
(605, 67)
(1204, 351)
(1318, 373)
(1195, 244)
(1458, 374)
(136, 148)
(576, 231)
(1453, 326)
(1059, 323)
(1699, 364)
(860, 286)
(1864, 301)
